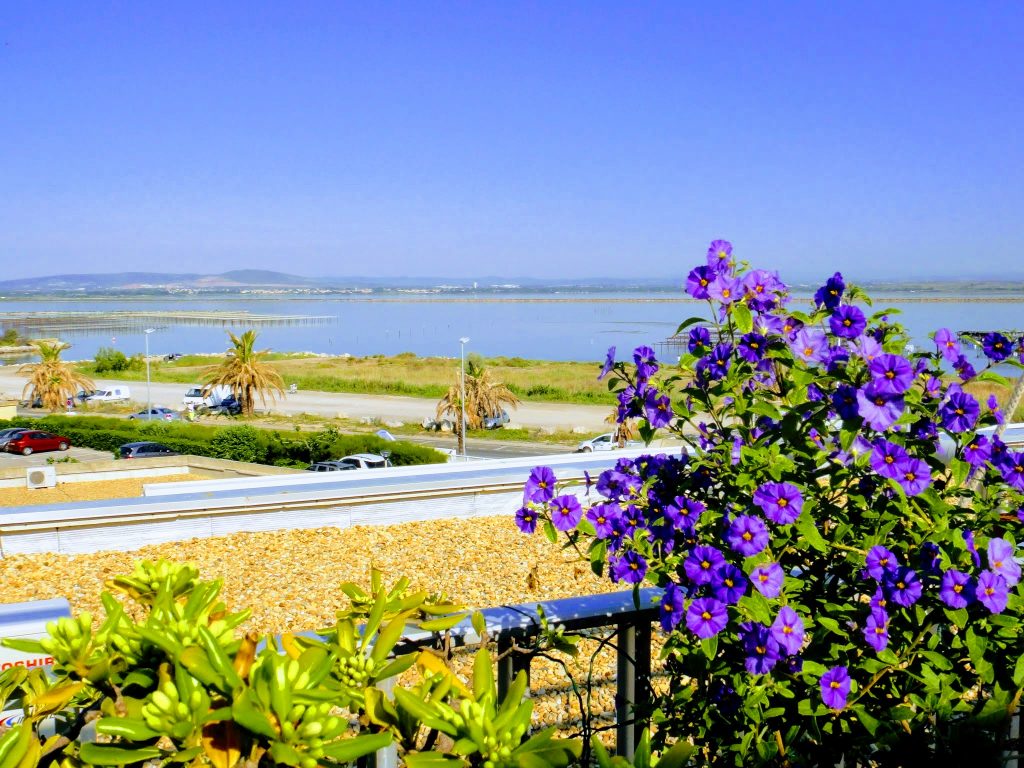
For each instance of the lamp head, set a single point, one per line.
(464, 340)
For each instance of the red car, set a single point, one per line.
(34, 440)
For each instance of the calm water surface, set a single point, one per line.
(578, 329)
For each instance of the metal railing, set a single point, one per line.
(514, 628)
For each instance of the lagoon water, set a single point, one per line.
(545, 326)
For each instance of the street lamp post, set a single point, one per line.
(149, 394)
(462, 427)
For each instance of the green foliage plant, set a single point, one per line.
(169, 677)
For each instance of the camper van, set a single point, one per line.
(195, 398)
(111, 395)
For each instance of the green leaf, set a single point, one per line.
(104, 754)
(133, 730)
(687, 323)
(483, 675)
(351, 749)
(810, 533)
(550, 532)
(443, 623)
(744, 320)
(432, 760)
(21, 644)
(677, 755)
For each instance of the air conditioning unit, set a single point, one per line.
(41, 477)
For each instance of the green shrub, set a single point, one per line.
(108, 359)
(243, 443)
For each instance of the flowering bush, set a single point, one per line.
(837, 548)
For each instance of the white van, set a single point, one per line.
(195, 398)
(111, 395)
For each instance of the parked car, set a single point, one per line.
(496, 422)
(171, 357)
(144, 450)
(156, 414)
(605, 442)
(365, 461)
(7, 435)
(33, 441)
(329, 466)
(84, 394)
(112, 395)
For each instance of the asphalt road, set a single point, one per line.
(410, 410)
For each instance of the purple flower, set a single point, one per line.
(698, 282)
(566, 512)
(868, 348)
(603, 517)
(992, 591)
(671, 607)
(706, 617)
(1011, 467)
(978, 451)
(720, 256)
(831, 293)
(780, 502)
(702, 562)
(761, 648)
(878, 600)
(959, 412)
(614, 484)
(810, 346)
(725, 289)
(752, 347)
(876, 630)
(903, 586)
(729, 584)
(878, 409)
(993, 406)
(996, 346)
(968, 535)
(658, 409)
(964, 368)
(886, 457)
(760, 286)
(844, 401)
(847, 322)
(891, 374)
(767, 579)
(540, 487)
(526, 520)
(630, 520)
(630, 568)
(835, 687)
(646, 364)
(957, 589)
(700, 339)
(609, 363)
(914, 476)
(747, 535)
(1001, 561)
(690, 511)
(946, 343)
(788, 630)
(880, 561)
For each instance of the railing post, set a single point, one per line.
(510, 664)
(633, 675)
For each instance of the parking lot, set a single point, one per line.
(8, 460)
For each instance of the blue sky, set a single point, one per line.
(554, 138)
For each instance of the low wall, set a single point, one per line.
(94, 471)
(301, 501)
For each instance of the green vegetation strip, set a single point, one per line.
(239, 443)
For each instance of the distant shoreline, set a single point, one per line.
(419, 299)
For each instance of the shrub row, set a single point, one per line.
(239, 443)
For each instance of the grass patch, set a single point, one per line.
(405, 374)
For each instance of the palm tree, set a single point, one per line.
(52, 380)
(484, 397)
(625, 431)
(245, 373)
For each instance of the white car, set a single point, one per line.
(364, 461)
(197, 399)
(112, 395)
(605, 442)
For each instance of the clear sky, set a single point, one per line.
(550, 138)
